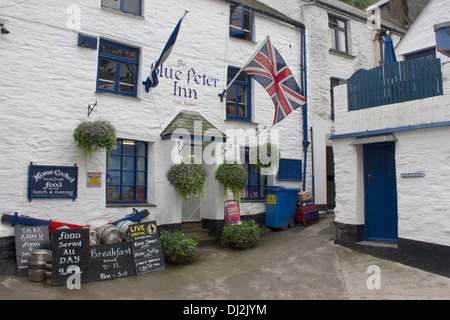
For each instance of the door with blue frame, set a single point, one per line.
(380, 190)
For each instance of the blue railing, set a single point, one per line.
(394, 82)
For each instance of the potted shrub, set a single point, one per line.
(178, 247)
(97, 135)
(233, 177)
(187, 179)
(241, 235)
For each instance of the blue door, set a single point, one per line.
(380, 189)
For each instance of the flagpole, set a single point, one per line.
(245, 65)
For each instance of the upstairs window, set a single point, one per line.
(337, 28)
(424, 54)
(128, 6)
(239, 96)
(381, 41)
(127, 173)
(117, 68)
(241, 22)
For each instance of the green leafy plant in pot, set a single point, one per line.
(187, 179)
(233, 177)
(178, 247)
(95, 135)
(241, 235)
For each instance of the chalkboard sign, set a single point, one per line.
(52, 182)
(27, 239)
(70, 247)
(146, 247)
(111, 261)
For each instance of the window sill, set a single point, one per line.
(117, 95)
(123, 205)
(122, 12)
(242, 121)
(340, 53)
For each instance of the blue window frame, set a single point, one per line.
(239, 96)
(128, 6)
(241, 24)
(118, 67)
(424, 54)
(256, 186)
(127, 173)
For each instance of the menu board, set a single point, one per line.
(111, 261)
(70, 255)
(52, 182)
(146, 247)
(27, 239)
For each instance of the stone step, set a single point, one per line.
(202, 234)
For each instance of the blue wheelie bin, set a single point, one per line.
(280, 206)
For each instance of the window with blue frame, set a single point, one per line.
(127, 173)
(255, 188)
(117, 68)
(424, 54)
(241, 24)
(239, 96)
(128, 6)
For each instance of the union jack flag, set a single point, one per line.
(271, 71)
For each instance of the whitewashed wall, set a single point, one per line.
(47, 82)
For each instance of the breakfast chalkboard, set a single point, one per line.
(146, 247)
(70, 255)
(111, 261)
(27, 239)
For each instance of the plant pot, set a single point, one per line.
(178, 260)
(242, 246)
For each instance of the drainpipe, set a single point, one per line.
(303, 78)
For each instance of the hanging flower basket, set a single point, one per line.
(271, 156)
(187, 179)
(233, 177)
(93, 136)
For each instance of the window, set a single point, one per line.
(338, 33)
(424, 54)
(239, 96)
(117, 68)
(241, 22)
(333, 83)
(128, 6)
(255, 189)
(381, 39)
(127, 173)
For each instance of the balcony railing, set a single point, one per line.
(394, 82)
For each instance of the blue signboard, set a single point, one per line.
(52, 182)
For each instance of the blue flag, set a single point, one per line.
(152, 79)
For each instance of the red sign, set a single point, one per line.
(232, 212)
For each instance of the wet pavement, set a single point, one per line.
(301, 263)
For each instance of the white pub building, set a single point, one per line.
(63, 63)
